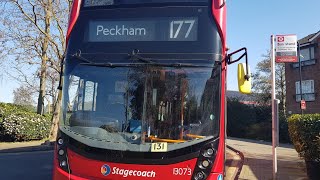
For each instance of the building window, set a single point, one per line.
(306, 57)
(307, 54)
(307, 90)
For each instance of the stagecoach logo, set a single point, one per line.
(220, 177)
(105, 170)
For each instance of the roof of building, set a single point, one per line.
(306, 39)
(309, 38)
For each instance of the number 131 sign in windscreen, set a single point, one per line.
(286, 48)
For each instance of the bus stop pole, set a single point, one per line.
(273, 101)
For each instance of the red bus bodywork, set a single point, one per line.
(85, 169)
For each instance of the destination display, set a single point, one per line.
(156, 29)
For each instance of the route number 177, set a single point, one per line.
(177, 26)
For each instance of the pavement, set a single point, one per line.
(258, 161)
(234, 164)
(31, 146)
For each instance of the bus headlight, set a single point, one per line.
(205, 161)
(200, 176)
(61, 150)
(204, 164)
(63, 163)
(60, 141)
(209, 152)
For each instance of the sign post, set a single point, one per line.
(283, 50)
(273, 97)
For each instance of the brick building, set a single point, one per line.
(310, 71)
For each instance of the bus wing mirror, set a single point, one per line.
(244, 80)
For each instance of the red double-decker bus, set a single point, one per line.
(144, 85)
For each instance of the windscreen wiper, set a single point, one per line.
(140, 58)
(77, 55)
(88, 62)
(179, 65)
(135, 56)
(91, 63)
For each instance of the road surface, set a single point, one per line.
(26, 165)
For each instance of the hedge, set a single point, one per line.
(304, 132)
(17, 123)
(254, 122)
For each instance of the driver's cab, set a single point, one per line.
(94, 109)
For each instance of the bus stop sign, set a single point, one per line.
(303, 105)
(286, 48)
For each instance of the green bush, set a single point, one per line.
(260, 131)
(304, 132)
(283, 129)
(254, 122)
(17, 123)
(240, 117)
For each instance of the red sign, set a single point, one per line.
(288, 59)
(280, 39)
(286, 48)
(303, 105)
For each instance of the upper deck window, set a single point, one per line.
(90, 3)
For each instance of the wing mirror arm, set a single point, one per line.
(245, 54)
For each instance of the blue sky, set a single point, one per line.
(250, 23)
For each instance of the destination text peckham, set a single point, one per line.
(121, 30)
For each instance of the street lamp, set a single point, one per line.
(301, 97)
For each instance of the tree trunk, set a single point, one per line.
(40, 107)
(44, 58)
(55, 117)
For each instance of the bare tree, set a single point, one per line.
(262, 82)
(23, 96)
(35, 44)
